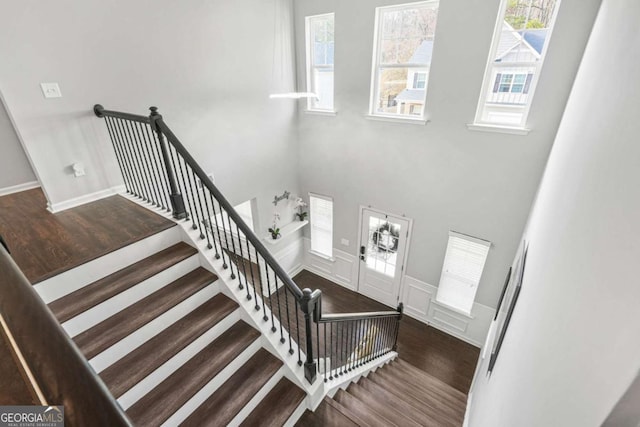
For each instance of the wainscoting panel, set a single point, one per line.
(419, 302)
(342, 269)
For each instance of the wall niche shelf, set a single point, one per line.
(286, 230)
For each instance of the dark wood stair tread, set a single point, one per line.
(95, 293)
(362, 410)
(167, 397)
(132, 368)
(430, 401)
(277, 406)
(346, 412)
(421, 377)
(411, 405)
(378, 405)
(226, 402)
(325, 415)
(108, 332)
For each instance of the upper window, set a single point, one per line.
(321, 217)
(461, 272)
(401, 58)
(519, 45)
(320, 46)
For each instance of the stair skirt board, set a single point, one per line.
(78, 277)
(170, 366)
(128, 344)
(113, 305)
(205, 392)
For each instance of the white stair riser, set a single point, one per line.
(74, 279)
(113, 305)
(192, 404)
(173, 364)
(151, 329)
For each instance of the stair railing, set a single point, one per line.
(61, 372)
(157, 168)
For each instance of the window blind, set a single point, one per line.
(463, 264)
(321, 217)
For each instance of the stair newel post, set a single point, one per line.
(400, 309)
(177, 202)
(308, 307)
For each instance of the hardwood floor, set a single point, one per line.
(447, 358)
(45, 244)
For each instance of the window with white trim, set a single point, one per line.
(402, 53)
(320, 48)
(519, 45)
(461, 272)
(321, 218)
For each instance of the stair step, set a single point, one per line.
(326, 415)
(223, 405)
(166, 398)
(429, 401)
(93, 294)
(378, 405)
(362, 410)
(411, 405)
(277, 406)
(420, 377)
(346, 412)
(108, 332)
(132, 368)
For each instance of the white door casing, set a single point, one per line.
(382, 252)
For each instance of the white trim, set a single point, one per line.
(18, 188)
(286, 230)
(329, 113)
(513, 130)
(452, 308)
(397, 119)
(87, 198)
(323, 256)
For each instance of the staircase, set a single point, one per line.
(397, 394)
(168, 344)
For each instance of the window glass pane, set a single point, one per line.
(382, 246)
(321, 218)
(518, 47)
(404, 46)
(320, 54)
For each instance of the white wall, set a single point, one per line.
(572, 348)
(207, 65)
(14, 165)
(441, 175)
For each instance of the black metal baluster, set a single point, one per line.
(333, 360)
(157, 173)
(266, 272)
(121, 163)
(204, 221)
(144, 159)
(298, 331)
(341, 347)
(126, 150)
(240, 259)
(275, 282)
(264, 310)
(191, 196)
(153, 138)
(397, 328)
(325, 352)
(215, 220)
(209, 223)
(251, 274)
(136, 154)
(233, 248)
(153, 181)
(286, 301)
(179, 181)
(349, 345)
(317, 344)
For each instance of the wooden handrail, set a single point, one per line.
(61, 371)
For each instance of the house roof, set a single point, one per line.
(535, 38)
(423, 53)
(511, 39)
(411, 95)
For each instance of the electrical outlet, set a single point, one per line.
(51, 90)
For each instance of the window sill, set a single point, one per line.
(323, 256)
(286, 230)
(329, 113)
(397, 119)
(513, 130)
(454, 309)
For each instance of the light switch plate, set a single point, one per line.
(51, 90)
(344, 242)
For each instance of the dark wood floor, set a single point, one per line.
(447, 358)
(45, 244)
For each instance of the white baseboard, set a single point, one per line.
(87, 198)
(18, 188)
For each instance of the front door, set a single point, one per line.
(383, 244)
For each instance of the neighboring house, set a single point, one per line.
(411, 100)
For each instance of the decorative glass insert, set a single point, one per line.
(382, 246)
